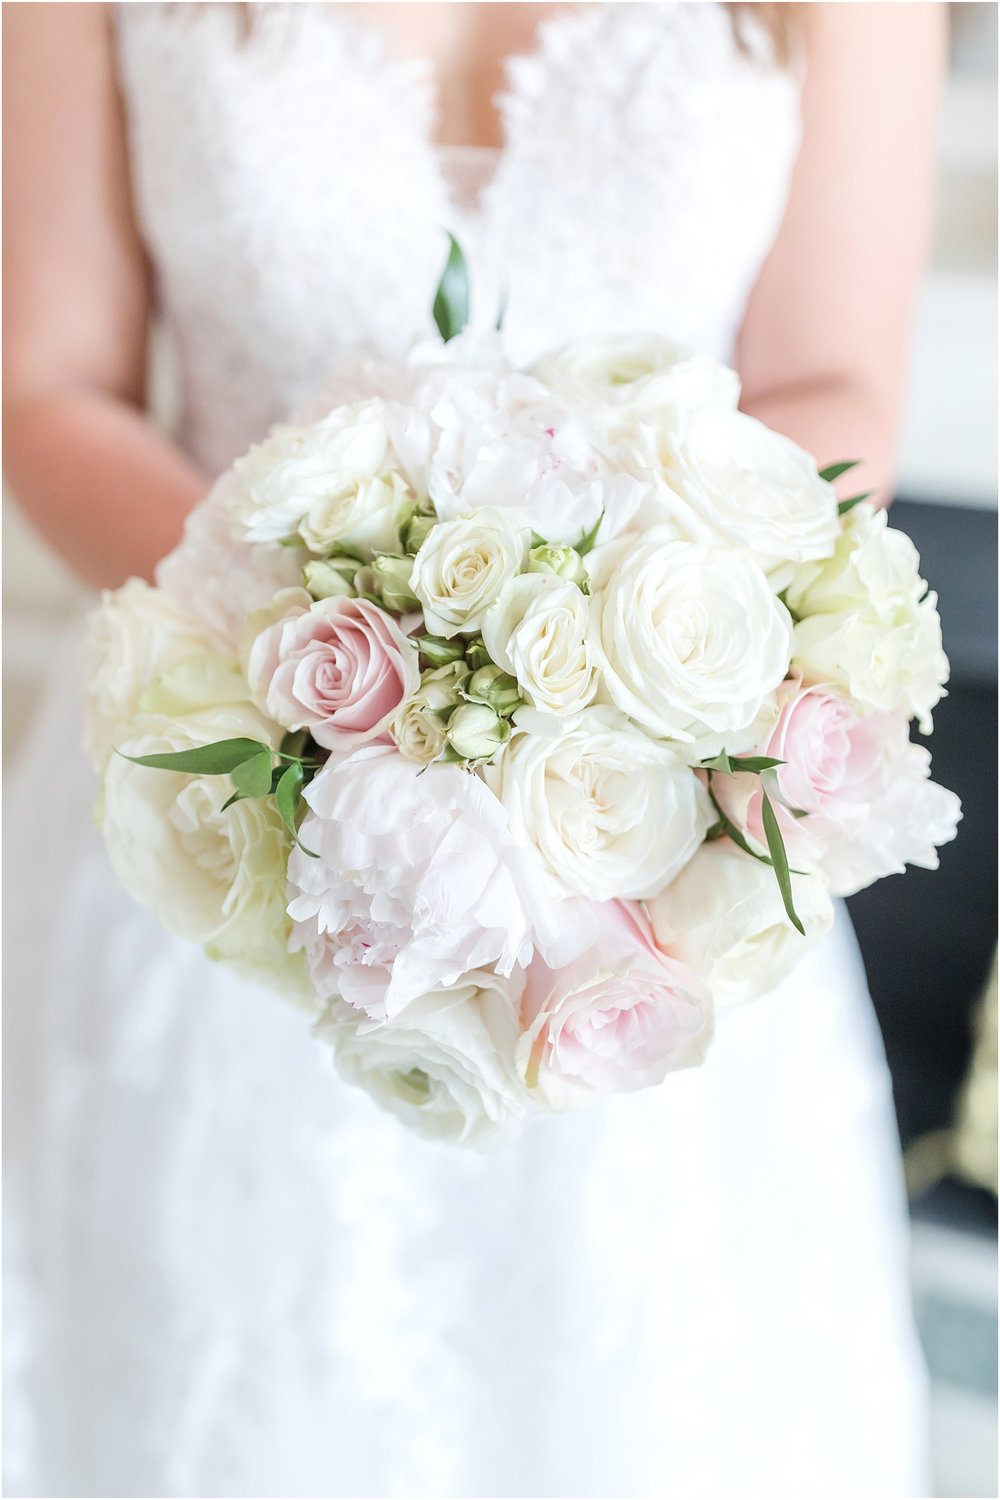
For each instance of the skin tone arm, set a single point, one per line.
(822, 352)
(93, 473)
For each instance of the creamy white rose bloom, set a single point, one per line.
(539, 631)
(612, 813)
(217, 578)
(754, 487)
(214, 877)
(868, 622)
(361, 514)
(419, 728)
(691, 639)
(723, 916)
(445, 1066)
(462, 568)
(280, 480)
(627, 378)
(131, 640)
(418, 881)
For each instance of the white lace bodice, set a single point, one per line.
(293, 200)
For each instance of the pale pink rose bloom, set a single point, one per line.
(840, 770)
(339, 668)
(618, 1017)
(417, 882)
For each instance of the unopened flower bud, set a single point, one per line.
(438, 651)
(564, 562)
(392, 582)
(477, 655)
(417, 529)
(476, 732)
(331, 577)
(496, 687)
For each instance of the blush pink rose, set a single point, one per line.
(619, 1017)
(339, 668)
(842, 771)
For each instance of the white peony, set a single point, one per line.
(691, 639)
(214, 877)
(755, 488)
(868, 622)
(418, 881)
(216, 578)
(611, 813)
(625, 379)
(445, 1066)
(323, 467)
(723, 916)
(135, 635)
(482, 439)
(539, 632)
(463, 566)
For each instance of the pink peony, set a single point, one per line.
(619, 1017)
(339, 668)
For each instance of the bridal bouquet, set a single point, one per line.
(517, 721)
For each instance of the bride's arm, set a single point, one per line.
(97, 478)
(823, 347)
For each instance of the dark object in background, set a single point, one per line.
(928, 938)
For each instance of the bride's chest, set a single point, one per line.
(293, 201)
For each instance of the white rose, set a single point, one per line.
(214, 877)
(624, 379)
(420, 726)
(691, 639)
(131, 640)
(612, 813)
(361, 514)
(462, 568)
(723, 916)
(868, 622)
(446, 1066)
(539, 632)
(280, 480)
(756, 488)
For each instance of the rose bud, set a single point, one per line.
(332, 577)
(476, 732)
(438, 651)
(494, 686)
(392, 582)
(564, 562)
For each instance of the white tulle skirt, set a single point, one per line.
(229, 1274)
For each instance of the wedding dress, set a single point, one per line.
(230, 1274)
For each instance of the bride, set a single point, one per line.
(229, 1274)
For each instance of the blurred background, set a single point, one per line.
(929, 939)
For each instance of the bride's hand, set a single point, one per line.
(97, 478)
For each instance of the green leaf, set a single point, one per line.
(502, 313)
(451, 301)
(253, 777)
(834, 471)
(731, 764)
(218, 759)
(779, 859)
(846, 505)
(287, 795)
(294, 743)
(588, 540)
(236, 797)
